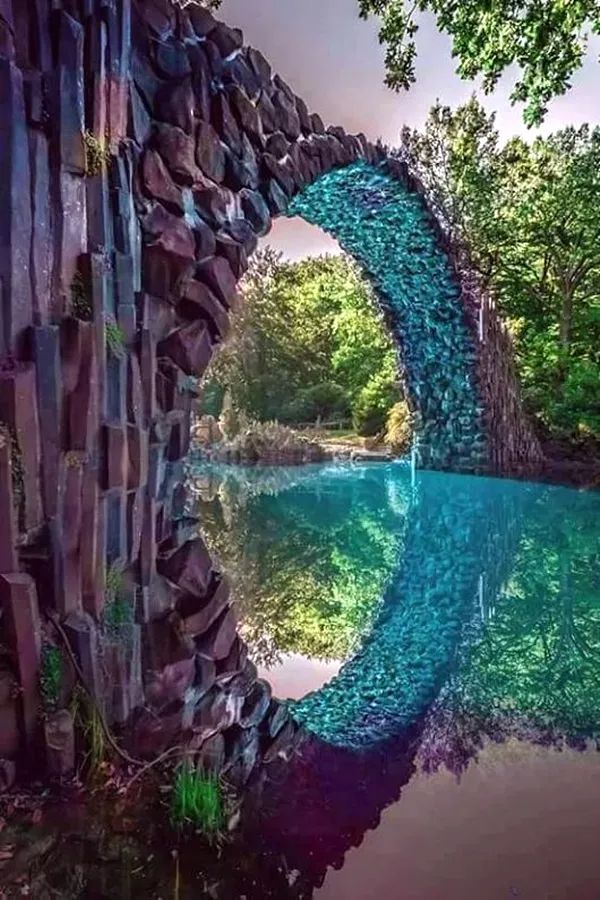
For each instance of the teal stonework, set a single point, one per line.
(388, 231)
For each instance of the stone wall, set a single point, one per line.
(144, 150)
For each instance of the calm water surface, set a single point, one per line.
(441, 640)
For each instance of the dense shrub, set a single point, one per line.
(326, 400)
(399, 428)
(370, 412)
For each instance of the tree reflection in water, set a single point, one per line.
(309, 550)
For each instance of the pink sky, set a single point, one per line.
(334, 62)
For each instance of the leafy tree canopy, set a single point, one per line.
(528, 215)
(307, 340)
(546, 39)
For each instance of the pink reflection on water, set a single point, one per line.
(297, 675)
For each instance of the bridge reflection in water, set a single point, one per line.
(488, 629)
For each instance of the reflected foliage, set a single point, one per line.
(309, 551)
(531, 669)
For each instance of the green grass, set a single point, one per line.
(115, 339)
(197, 801)
(50, 677)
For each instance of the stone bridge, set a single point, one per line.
(144, 151)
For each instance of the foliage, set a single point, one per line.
(88, 721)
(546, 40)
(305, 341)
(374, 403)
(260, 441)
(118, 611)
(97, 154)
(529, 218)
(398, 432)
(325, 400)
(81, 304)
(197, 800)
(51, 673)
(115, 339)
(8, 436)
(309, 553)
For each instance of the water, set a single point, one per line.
(439, 638)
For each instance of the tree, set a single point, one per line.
(546, 39)
(307, 339)
(528, 218)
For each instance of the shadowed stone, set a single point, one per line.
(8, 526)
(220, 279)
(277, 144)
(202, 20)
(198, 614)
(59, 734)
(18, 601)
(246, 114)
(217, 642)
(171, 59)
(256, 211)
(178, 151)
(228, 40)
(158, 183)
(170, 255)
(198, 300)
(189, 567)
(175, 105)
(210, 154)
(225, 123)
(190, 347)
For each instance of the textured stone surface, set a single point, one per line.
(144, 151)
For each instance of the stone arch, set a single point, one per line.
(144, 150)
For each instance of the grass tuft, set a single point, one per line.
(51, 673)
(97, 154)
(197, 801)
(115, 339)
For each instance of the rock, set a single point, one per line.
(286, 115)
(199, 301)
(170, 255)
(172, 60)
(175, 105)
(256, 705)
(272, 168)
(211, 755)
(178, 150)
(242, 173)
(189, 567)
(190, 347)
(225, 123)
(256, 211)
(8, 774)
(219, 277)
(267, 113)
(198, 613)
(316, 124)
(228, 40)
(217, 642)
(246, 114)
(276, 198)
(210, 154)
(170, 684)
(158, 183)
(277, 144)
(202, 21)
(59, 734)
(233, 252)
(20, 620)
(260, 65)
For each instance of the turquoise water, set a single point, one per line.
(453, 599)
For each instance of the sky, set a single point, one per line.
(333, 60)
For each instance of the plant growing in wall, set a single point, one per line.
(51, 673)
(97, 154)
(7, 436)
(115, 339)
(81, 304)
(118, 612)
